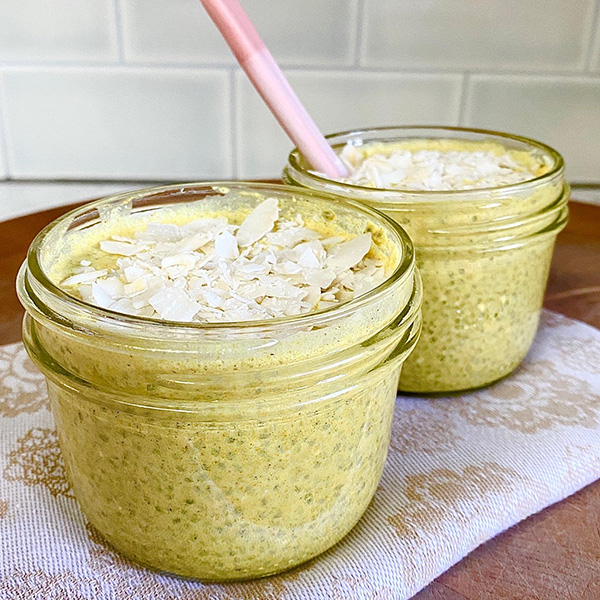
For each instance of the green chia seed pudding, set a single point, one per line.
(483, 210)
(234, 444)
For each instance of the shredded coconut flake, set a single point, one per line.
(258, 223)
(350, 253)
(84, 277)
(116, 247)
(213, 271)
(431, 170)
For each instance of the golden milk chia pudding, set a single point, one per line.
(483, 210)
(222, 364)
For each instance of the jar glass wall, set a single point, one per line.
(484, 256)
(231, 450)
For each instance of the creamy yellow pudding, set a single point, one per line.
(483, 211)
(220, 450)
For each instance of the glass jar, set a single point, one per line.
(222, 451)
(484, 256)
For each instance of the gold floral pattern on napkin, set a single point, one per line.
(576, 355)
(460, 470)
(22, 386)
(3, 508)
(36, 460)
(411, 432)
(432, 495)
(536, 397)
(38, 583)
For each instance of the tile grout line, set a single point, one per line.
(4, 129)
(462, 109)
(593, 39)
(118, 13)
(67, 66)
(359, 32)
(233, 123)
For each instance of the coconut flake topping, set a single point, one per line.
(431, 170)
(209, 270)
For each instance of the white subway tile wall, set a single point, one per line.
(517, 103)
(537, 35)
(146, 89)
(117, 124)
(154, 32)
(65, 30)
(181, 31)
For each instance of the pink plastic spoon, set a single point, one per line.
(266, 76)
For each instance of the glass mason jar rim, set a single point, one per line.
(295, 162)
(32, 265)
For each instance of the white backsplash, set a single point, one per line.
(147, 89)
(478, 35)
(117, 123)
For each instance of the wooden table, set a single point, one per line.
(554, 555)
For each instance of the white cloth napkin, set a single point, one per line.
(460, 470)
